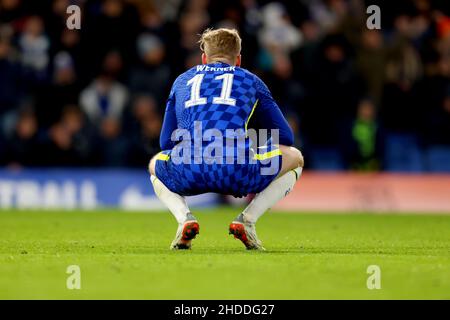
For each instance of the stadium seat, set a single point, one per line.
(402, 154)
(327, 159)
(438, 159)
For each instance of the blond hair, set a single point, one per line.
(221, 44)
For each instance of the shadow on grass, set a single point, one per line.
(397, 251)
(74, 249)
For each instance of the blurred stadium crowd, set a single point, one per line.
(356, 98)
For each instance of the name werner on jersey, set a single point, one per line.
(210, 68)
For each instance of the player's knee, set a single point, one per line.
(292, 157)
(296, 157)
(151, 166)
(299, 157)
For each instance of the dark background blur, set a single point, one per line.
(357, 99)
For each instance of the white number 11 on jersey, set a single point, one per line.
(225, 95)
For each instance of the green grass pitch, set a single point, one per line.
(124, 255)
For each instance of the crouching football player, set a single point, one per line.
(222, 97)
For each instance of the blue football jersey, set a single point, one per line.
(222, 98)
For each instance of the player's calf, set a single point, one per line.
(188, 227)
(243, 227)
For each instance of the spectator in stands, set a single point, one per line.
(107, 26)
(69, 43)
(371, 63)
(151, 75)
(144, 130)
(277, 31)
(71, 141)
(103, 99)
(363, 143)
(64, 90)
(335, 88)
(399, 111)
(192, 22)
(34, 47)
(55, 19)
(22, 147)
(10, 77)
(104, 102)
(303, 58)
(430, 96)
(278, 39)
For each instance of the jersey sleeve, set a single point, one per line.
(169, 124)
(267, 114)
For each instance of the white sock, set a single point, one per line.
(174, 202)
(275, 191)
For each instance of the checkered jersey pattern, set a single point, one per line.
(213, 115)
(236, 179)
(193, 179)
